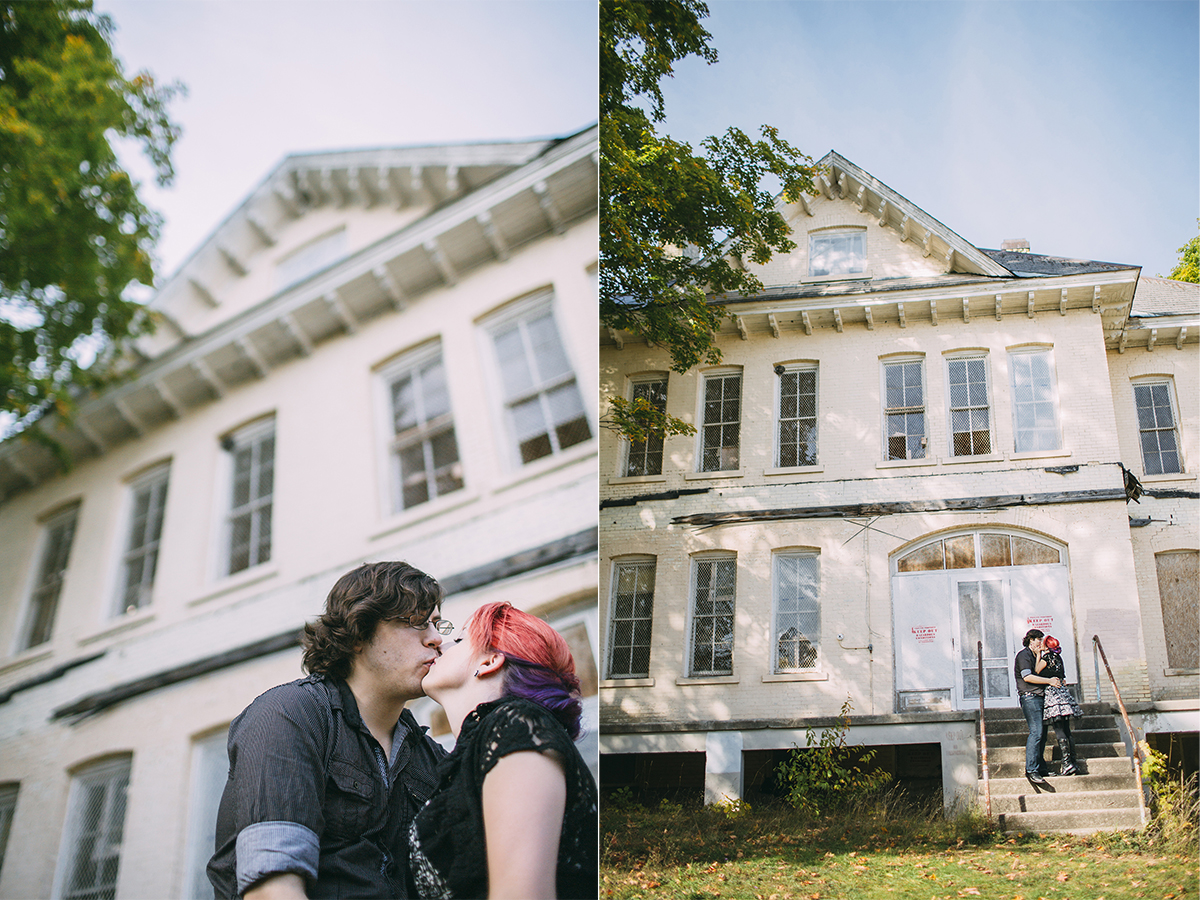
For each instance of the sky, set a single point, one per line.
(267, 78)
(1075, 125)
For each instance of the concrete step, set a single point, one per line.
(1080, 736)
(1017, 726)
(1029, 801)
(1072, 821)
(1014, 766)
(1082, 751)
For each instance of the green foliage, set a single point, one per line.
(73, 233)
(732, 809)
(677, 224)
(1188, 268)
(826, 774)
(638, 419)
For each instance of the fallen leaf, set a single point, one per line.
(1062, 876)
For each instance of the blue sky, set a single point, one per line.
(267, 78)
(1073, 124)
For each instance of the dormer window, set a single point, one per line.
(837, 253)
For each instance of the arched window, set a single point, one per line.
(982, 549)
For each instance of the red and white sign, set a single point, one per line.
(1040, 622)
(925, 634)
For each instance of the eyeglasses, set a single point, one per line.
(441, 626)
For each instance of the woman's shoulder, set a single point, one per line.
(514, 723)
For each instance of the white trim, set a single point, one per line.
(788, 369)
(901, 359)
(717, 372)
(965, 356)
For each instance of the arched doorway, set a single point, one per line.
(957, 589)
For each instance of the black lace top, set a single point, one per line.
(448, 858)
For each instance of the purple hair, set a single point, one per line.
(557, 692)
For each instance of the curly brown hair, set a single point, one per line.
(361, 599)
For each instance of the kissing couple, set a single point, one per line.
(334, 790)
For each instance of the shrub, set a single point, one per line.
(826, 774)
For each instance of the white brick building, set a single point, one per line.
(910, 445)
(381, 354)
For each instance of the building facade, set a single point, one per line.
(380, 354)
(911, 448)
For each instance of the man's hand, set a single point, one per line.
(285, 886)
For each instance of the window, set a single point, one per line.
(542, 401)
(797, 417)
(210, 767)
(631, 618)
(713, 592)
(994, 550)
(797, 618)
(56, 549)
(1178, 585)
(646, 457)
(837, 253)
(249, 525)
(96, 823)
(970, 415)
(141, 548)
(721, 416)
(1156, 427)
(904, 409)
(1035, 406)
(424, 450)
(8, 808)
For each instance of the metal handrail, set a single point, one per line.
(987, 788)
(1136, 752)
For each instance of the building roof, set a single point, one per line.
(1165, 297)
(1021, 262)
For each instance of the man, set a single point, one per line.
(1031, 689)
(326, 773)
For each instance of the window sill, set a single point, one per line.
(906, 463)
(982, 458)
(23, 658)
(636, 479)
(1173, 673)
(1163, 479)
(684, 680)
(424, 511)
(730, 473)
(118, 624)
(795, 470)
(1040, 454)
(548, 464)
(823, 279)
(626, 682)
(244, 579)
(795, 676)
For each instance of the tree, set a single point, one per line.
(676, 225)
(1188, 268)
(74, 236)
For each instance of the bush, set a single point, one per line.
(826, 774)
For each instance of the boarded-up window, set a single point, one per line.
(1178, 588)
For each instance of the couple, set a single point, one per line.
(334, 790)
(1041, 686)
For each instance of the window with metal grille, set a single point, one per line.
(1035, 402)
(797, 417)
(970, 414)
(141, 547)
(8, 808)
(425, 462)
(797, 619)
(43, 604)
(904, 409)
(96, 823)
(542, 401)
(646, 457)
(722, 418)
(1178, 586)
(714, 582)
(1156, 428)
(249, 524)
(837, 253)
(631, 619)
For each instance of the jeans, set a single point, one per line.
(1033, 706)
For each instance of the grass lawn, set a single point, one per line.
(776, 853)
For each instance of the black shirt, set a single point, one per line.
(448, 855)
(1026, 660)
(309, 792)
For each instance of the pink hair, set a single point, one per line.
(538, 662)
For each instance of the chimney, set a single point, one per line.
(1020, 245)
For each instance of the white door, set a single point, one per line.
(982, 611)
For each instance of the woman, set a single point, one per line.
(1060, 705)
(514, 815)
